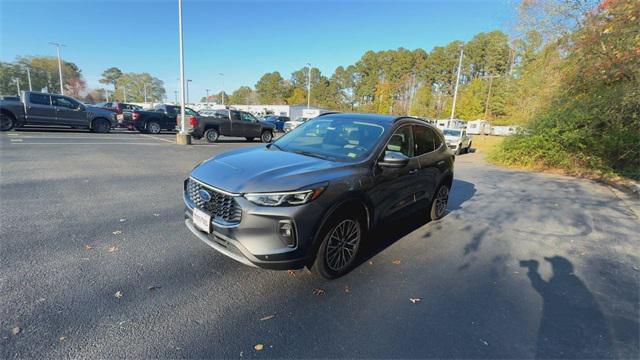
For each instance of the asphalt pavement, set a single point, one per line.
(96, 263)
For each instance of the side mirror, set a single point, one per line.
(393, 159)
(82, 108)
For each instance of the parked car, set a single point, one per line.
(277, 121)
(162, 117)
(311, 197)
(457, 140)
(290, 125)
(225, 122)
(35, 108)
(123, 112)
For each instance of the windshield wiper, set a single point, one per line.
(312, 154)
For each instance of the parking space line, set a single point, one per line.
(16, 140)
(158, 138)
(85, 143)
(81, 137)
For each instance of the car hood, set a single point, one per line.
(261, 169)
(452, 138)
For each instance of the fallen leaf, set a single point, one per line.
(258, 347)
(396, 262)
(112, 248)
(118, 295)
(88, 247)
(415, 301)
(484, 342)
(267, 318)
(318, 291)
(123, 220)
(62, 338)
(347, 289)
(291, 273)
(16, 330)
(370, 262)
(156, 215)
(117, 232)
(153, 288)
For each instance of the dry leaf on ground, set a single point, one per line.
(112, 248)
(88, 247)
(258, 347)
(396, 262)
(16, 330)
(123, 220)
(153, 287)
(347, 289)
(156, 215)
(291, 273)
(117, 232)
(62, 338)
(318, 291)
(415, 301)
(267, 318)
(118, 295)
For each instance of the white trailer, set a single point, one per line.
(479, 127)
(504, 130)
(451, 124)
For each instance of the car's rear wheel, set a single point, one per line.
(153, 127)
(101, 126)
(439, 203)
(249, 138)
(266, 136)
(211, 135)
(341, 239)
(468, 150)
(6, 122)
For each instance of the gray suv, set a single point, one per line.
(310, 198)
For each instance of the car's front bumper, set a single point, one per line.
(255, 241)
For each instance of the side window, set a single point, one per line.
(464, 133)
(65, 102)
(247, 117)
(40, 99)
(425, 140)
(170, 110)
(400, 141)
(235, 116)
(190, 112)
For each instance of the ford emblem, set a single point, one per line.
(204, 195)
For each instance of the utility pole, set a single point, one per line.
(182, 138)
(145, 92)
(486, 103)
(455, 91)
(309, 86)
(207, 98)
(106, 94)
(58, 45)
(124, 89)
(222, 96)
(29, 78)
(18, 85)
(175, 93)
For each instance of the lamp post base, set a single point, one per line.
(183, 139)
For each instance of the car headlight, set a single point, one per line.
(292, 198)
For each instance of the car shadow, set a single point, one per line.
(389, 232)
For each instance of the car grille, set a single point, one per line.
(223, 208)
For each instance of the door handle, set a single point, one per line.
(411, 172)
(441, 162)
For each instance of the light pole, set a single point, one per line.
(29, 78)
(188, 81)
(124, 89)
(175, 94)
(222, 96)
(182, 138)
(58, 45)
(309, 87)
(207, 98)
(455, 91)
(18, 85)
(145, 92)
(106, 94)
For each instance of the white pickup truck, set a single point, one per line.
(457, 140)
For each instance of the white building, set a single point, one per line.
(292, 111)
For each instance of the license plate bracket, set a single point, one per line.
(202, 220)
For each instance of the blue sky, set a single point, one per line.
(242, 39)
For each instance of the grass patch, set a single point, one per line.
(484, 144)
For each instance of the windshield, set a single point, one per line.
(333, 139)
(449, 132)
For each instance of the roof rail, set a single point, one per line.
(405, 117)
(329, 113)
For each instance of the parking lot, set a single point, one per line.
(97, 263)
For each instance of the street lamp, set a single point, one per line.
(17, 84)
(182, 137)
(58, 45)
(222, 93)
(309, 87)
(144, 86)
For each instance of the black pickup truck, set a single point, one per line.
(162, 117)
(225, 122)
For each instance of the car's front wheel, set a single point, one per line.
(341, 238)
(153, 127)
(266, 136)
(6, 122)
(439, 203)
(211, 135)
(101, 126)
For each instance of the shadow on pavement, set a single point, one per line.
(572, 325)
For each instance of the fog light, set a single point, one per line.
(287, 233)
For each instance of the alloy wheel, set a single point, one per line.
(442, 199)
(343, 244)
(154, 128)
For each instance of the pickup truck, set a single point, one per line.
(35, 108)
(226, 122)
(161, 117)
(457, 140)
(123, 112)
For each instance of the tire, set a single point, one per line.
(153, 127)
(266, 136)
(7, 122)
(211, 135)
(439, 202)
(468, 150)
(101, 126)
(342, 232)
(249, 139)
(459, 150)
